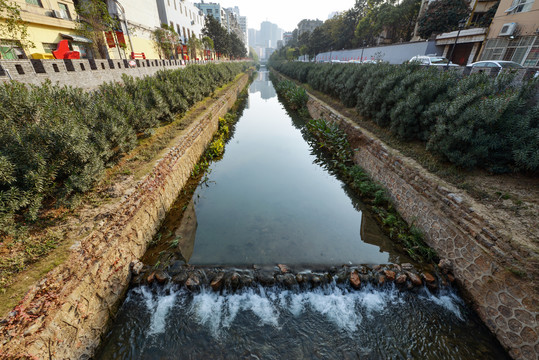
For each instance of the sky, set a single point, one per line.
(285, 13)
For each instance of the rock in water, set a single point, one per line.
(192, 283)
(390, 275)
(428, 277)
(284, 269)
(217, 282)
(415, 279)
(354, 279)
(136, 267)
(161, 277)
(401, 279)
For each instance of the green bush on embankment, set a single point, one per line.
(473, 121)
(55, 142)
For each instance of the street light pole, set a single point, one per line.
(363, 48)
(461, 25)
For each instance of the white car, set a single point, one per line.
(496, 64)
(432, 60)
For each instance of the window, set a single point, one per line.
(178, 29)
(533, 55)
(520, 6)
(34, 2)
(521, 50)
(184, 37)
(64, 10)
(208, 11)
(49, 47)
(175, 8)
(11, 51)
(172, 25)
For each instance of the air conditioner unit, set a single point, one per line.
(508, 29)
(192, 22)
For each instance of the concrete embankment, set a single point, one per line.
(65, 314)
(460, 230)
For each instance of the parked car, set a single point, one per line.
(432, 60)
(496, 64)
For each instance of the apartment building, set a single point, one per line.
(48, 22)
(468, 40)
(514, 33)
(215, 10)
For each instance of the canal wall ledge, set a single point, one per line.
(460, 230)
(67, 312)
(84, 73)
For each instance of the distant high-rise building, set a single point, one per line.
(269, 35)
(251, 36)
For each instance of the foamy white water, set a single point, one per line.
(343, 307)
(158, 305)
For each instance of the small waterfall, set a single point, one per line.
(345, 308)
(333, 321)
(158, 305)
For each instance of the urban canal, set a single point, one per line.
(271, 201)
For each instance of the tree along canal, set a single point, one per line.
(270, 200)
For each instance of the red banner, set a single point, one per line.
(121, 38)
(110, 39)
(185, 49)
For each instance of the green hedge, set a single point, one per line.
(473, 121)
(55, 142)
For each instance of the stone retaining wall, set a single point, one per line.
(456, 228)
(85, 73)
(64, 316)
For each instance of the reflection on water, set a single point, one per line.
(263, 85)
(267, 201)
(327, 323)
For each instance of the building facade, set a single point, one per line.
(514, 33)
(464, 46)
(183, 16)
(141, 18)
(232, 24)
(48, 22)
(215, 10)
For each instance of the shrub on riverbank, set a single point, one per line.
(55, 142)
(473, 121)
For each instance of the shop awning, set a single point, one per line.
(76, 38)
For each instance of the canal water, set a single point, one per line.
(270, 200)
